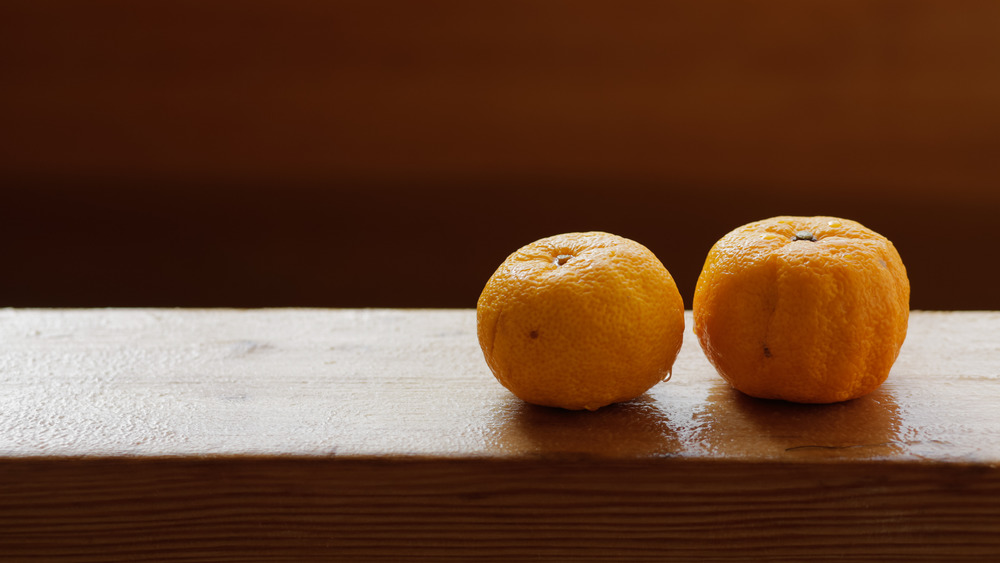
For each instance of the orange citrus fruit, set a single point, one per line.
(580, 320)
(805, 309)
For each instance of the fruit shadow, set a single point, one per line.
(636, 428)
(735, 424)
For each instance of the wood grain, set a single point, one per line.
(375, 435)
(301, 509)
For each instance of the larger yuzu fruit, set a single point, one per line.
(805, 309)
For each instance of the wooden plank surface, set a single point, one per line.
(414, 383)
(292, 434)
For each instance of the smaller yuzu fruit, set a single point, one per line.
(580, 321)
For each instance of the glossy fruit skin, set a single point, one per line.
(803, 309)
(580, 321)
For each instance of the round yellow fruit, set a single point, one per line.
(580, 321)
(804, 309)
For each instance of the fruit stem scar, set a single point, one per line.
(805, 235)
(533, 334)
(562, 259)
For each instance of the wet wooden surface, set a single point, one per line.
(292, 434)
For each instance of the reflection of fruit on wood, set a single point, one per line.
(805, 309)
(580, 320)
(624, 430)
(866, 428)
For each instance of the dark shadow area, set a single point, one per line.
(90, 244)
(386, 154)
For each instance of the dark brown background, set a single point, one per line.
(392, 153)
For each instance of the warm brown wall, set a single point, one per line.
(392, 153)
